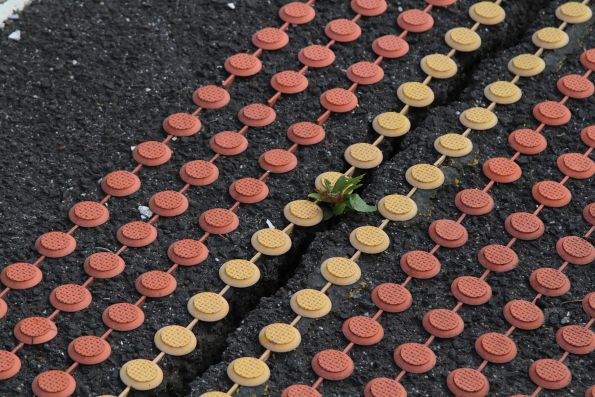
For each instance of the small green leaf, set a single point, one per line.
(339, 184)
(358, 204)
(315, 196)
(326, 213)
(339, 208)
(327, 185)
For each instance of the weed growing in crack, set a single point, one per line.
(340, 197)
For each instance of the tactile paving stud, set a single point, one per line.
(123, 316)
(453, 145)
(575, 250)
(342, 30)
(384, 387)
(416, 21)
(501, 170)
(424, 176)
(574, 12)
(365, 73)
(155, 284)
(207, 394)
(487, 13)
(526, 65)
(70, 297)
(340, 271)
(420, 264)
(589, 304)
(239, 273)
(305, 133)
(588, 133)
(550, 374)
(589, 213)
(474, 202)
(576, 339)
(527, 141)
(575, 86)
(524, 226)
(270, 39)
(330, 176)
(503, 92)
(363, 155)
(104, 265)
(168, 203)
(338, 100)
(471, 290)
(576, 165)
(55, 244)
(53, 383)
(21, 275)
(89, 350)
(551, 113)
(462, 39)
(478, 118)
(443, 323)
(151, 153)
(550, 38)
(362, 330)
(136, 234)
(228, 143)
(243, 65)
(303, 213)
(187, 252)
(257, 115)
(248, 371)
(369, 239)
(297, 13)
(141, 374)
(182, 124)
(498, 258)
(588, 59)
(448, 233)
(397, 207)
(208, 306)
(495, 348)
(10, 364)
(415, 94)
(300, 391)
(88, 214)
(391, 124)
(310, 303)
(549, 282)
(332, 365)
(35, 330)
(551, 194)
(316, 56)
(438, 66)
(441, 3)
(211, 97)
(280, 338)
(278, 161)
(175, 340)
(390, 46)
(3, 309)
(468, 382)
(392, 298)
(289, 82)
(120, 183)
(248, 190)
(271, 242)
(523, 314)
(369, 8)
(218, 221)
(414, 357)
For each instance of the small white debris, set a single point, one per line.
(132, 148)
(16, 35)
(231, 6)
(145, 212)
(14, 17)
(270, 224)
(75, 62)
(175, 138)
(147, 89)
(400, 9)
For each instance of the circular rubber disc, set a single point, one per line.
(305, 133)
(88, 214)
(576, 339)
(303, 213)
(243, 65)
(248, 371)
(316, 56)
(363, 330)
(104, 265)
(342, 30)
(182, 124)
(270, 39)
(487, 13)
(392, 298)
(471, 290)
(550, 374)
(297, 13)
(416, 21)
(136, 234)
(35, 330)
(300, 391)
(272, 242)
(527, 141)
(424, 176)
(248, 190)
(310, 303)
(498, 258)
(332, 365)
(155, 284)
(257, 115)
(575, 86)
(551, 113)
(575, 250)
(239, 273)
(369, 8)
(384, 387)
(414, 357)
(474, 202)
(89, 350)
(365, 73)
(168, 203)
(551, 194)
(415, 94)
(369, 239)
(218, 221)
(199, 173)
(391, 124)
(120, 183)
(576, 165)
(462, 39)
(574, 12)
(589, 213)
(453, 145)
(53, 383)
(363, 155)
(55, 244)
(526, 65)
(340, 271)
(10, 364)
(478, 118)
(495, 348)
(501, 170)
(21, 275)
(70, 297)
(438, 66)
(390, 46)
(278, 161)
(420, 264)
(549, 282)
(550, 38)
(152, 153)
(187, 252)
(448, 233)
(443, 323)
(141, 374)
(211, 97)
(338, 100)
(289, 82)
(330, 176)
(208, 306)
(3, 311)
(589, 304)
(123, 316)
(588, 59)
(503, 92)
(588, 135)
(397, 207)
(228, 143)
(175, 340)
(468, 382)
(524, 226)
(523, 314)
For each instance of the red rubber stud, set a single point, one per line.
(575, 250)
(89, 350)
(471, 290)
(589, 213)
(589, 304)
(468, 382)
(342, 30)
(3, 311)
(88, 214)
(576, 165)
(297, 13)
(524, 226)
(53, 383)
(305, 133)
(332, 365)
(277, 161)
(550, 374)
(182, 124)
(243, 65)
(527, 141)
(338, 100)
(392, 298)
(369, 8)
(523, 314)
(390, 46)
(152, 153)
(187, 252)
(363, 330)
(21, 275)
(474, 202)
(104, 265)
(289, 82)
(588, 59)
(448, 233)
(495, 348)
(211, 97)
(441, 3)
(218, 221)
(199, 172)
(576, 339)
(443, 323)
(575, 86)
(35, 330)
(300, 391)
(316, 56)
(551, 113)
(248, 190)
(420, 264)
(590, 392)
(120, 183)
(228, 143)
(501, 170)
(498, 258)
(136, 234)
(588, 135)
(551, 194)
(155, 284)
(270, 39)
(55, 244)
(257, 115)
(10, 364)
(70, 298)
(384, 387)
(549, 282)
(365, 73)
(414, 357)
(168, 203)
(415, 21)
(123, 316)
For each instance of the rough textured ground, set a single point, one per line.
(88, 81)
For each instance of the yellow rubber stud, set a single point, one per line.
(550, 38)
(208, 306)
(303, 213)
(487, 13)
(424, 176)
(503, 92)
(438, 66)
(280, 338)
(330, 176)
(175, 340)
(391, 124)
(397, 207)
(526, 65)
(369, 239)
(310, 303)
(214, 394)
(453, 145)
(239, 273)
(415, 94)
(141, 374)
(363, 155)
(248, 371)
(479, 119)
(463, 39)
(574, 12)
(272, 242)
(340, 271)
